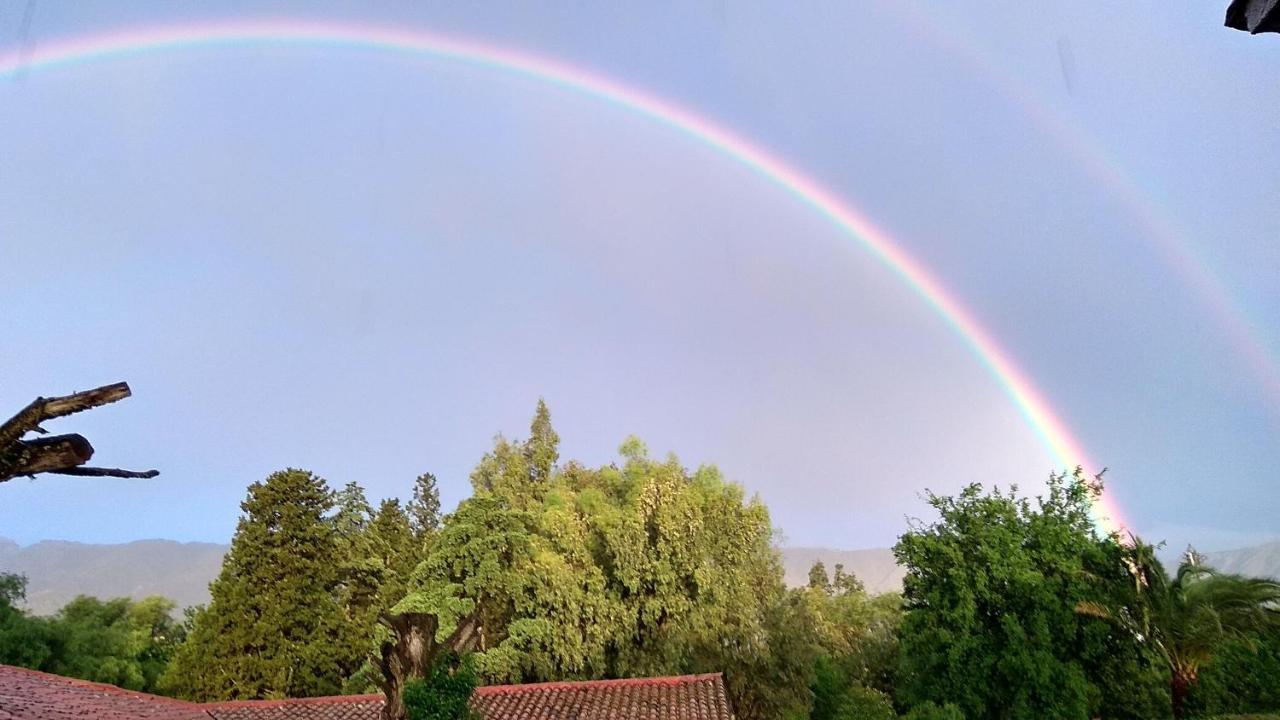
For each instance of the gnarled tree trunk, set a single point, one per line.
(410, 652)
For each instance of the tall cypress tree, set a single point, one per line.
(275, 626)
(543, 446)
(424, 508)
(392, 543)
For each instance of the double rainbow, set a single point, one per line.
(1062, 445)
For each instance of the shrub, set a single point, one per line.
(445, 694)
(861, 703)
(933, 711)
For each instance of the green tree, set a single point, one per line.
(118, 641)
(543, 447)
(155, 638)
(990, 596)
(445, 694)
(395, 549)
(845, 583)
(632, 569)
(361, 573)
(276, 626)
(1243, 676)
(1187, 619)
(424, 508)
(818, 578)
(25, 641)
(857, 639)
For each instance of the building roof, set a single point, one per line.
(31, 695)
(689, 697)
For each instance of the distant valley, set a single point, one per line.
(58, 570)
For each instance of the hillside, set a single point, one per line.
(1258, 561)
(875, 567)
(57, 570)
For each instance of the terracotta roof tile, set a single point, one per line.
(689, 697)
(31, 695)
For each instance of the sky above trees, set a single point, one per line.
(368, 265)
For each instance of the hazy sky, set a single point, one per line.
(368, 264)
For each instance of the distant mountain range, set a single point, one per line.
(58, 570)
(876, 568)
(1257, 561)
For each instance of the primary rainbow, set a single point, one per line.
(1065, 449)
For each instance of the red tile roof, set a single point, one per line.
(30, 695)
(689, 697)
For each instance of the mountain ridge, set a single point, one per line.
(59, 570)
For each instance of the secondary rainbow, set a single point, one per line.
(1179, 252)
(1064, 448)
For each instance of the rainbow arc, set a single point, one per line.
(1065, 449)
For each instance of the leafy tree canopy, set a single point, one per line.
(990, 597)
(276, 626)
(632, 569)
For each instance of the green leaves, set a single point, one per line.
(120, 641)
(445, 693)
(278, 625)
(991, 592)
(631, 570)
(1185, 621)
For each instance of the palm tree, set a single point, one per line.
(1184, 620)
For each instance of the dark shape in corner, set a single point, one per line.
(1254, 16)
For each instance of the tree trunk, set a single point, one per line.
(1179, 686)
(410, 652)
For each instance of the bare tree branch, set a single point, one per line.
(61, 454)
(41, 409)
(44, 454)
(105, 472)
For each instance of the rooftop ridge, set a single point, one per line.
(670, 680)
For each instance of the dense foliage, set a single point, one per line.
(991, 594)
(120, 641)
(446, 691)
(276, 625)
(1184, 622)
(1012, 607)
(857, 642)
(1242, 677)
(637, 568)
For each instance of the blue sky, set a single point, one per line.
(368, 265)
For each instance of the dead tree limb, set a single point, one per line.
(45, 454)
(29, 418)
(105, 472)
(62, 454)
